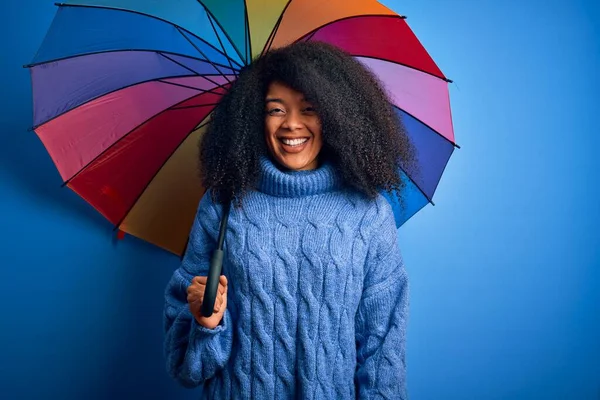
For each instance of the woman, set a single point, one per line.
(313, 299)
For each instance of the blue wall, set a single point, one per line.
(505, 269)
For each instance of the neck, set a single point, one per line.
(287, 183)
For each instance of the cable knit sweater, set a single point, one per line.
(317, 300)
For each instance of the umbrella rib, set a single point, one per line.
(427, 125)
(275, 29)
(436, 185)
(145, 15)
(195, 106)
(177, 62)
(247, 37)
(33, 128)
(180, 28)
(271, 37)
(203, 55)
(407, 66)
(46, 34)
(210, 19)
(118, 225)
(311, 35)
(53, 60)
(184, 86)
(445, 164)
(205, 76)
(418, 187)
(212, 16)
(128, 133)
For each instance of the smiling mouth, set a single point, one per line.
(293, 142)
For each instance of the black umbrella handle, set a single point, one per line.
(216, 265)
(212, 283)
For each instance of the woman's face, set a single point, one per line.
(292, 128)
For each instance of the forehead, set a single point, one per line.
(282, 91)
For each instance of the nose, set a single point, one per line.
(292, 121)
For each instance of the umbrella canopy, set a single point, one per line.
(123, 91)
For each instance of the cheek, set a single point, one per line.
(319, 144)
(270, 136)
(270, 128)
(267, 131)
(317, 132)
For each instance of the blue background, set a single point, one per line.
(505, 269)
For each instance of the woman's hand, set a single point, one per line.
(195, 296)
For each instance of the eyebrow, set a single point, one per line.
(278, 100)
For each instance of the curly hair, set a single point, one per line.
(363, 137)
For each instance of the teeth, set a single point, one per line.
(294, 142)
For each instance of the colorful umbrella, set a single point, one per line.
(123, 90)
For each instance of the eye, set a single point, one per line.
(274, 111)
(309, 110)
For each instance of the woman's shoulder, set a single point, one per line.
(374, 212)
(377, 205)
(208, 209)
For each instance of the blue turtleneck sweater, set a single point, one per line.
(317, 299)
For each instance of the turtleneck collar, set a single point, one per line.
(276, 182)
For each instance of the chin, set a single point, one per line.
(295, 163)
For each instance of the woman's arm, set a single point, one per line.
(381, 318)
(194, 353)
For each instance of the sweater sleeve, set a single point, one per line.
(381, 319)
(194, 353)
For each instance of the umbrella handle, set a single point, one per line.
(214, 272)
(212, 283)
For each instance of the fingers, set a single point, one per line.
(203, 279)
(198, 292)
(196, 303)
(218, 304)
(199, 282)
(195, 295)
(224, 304)
(197, 288)
(200, 279)
(221, 302)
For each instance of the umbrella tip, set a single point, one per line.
(448, 80)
